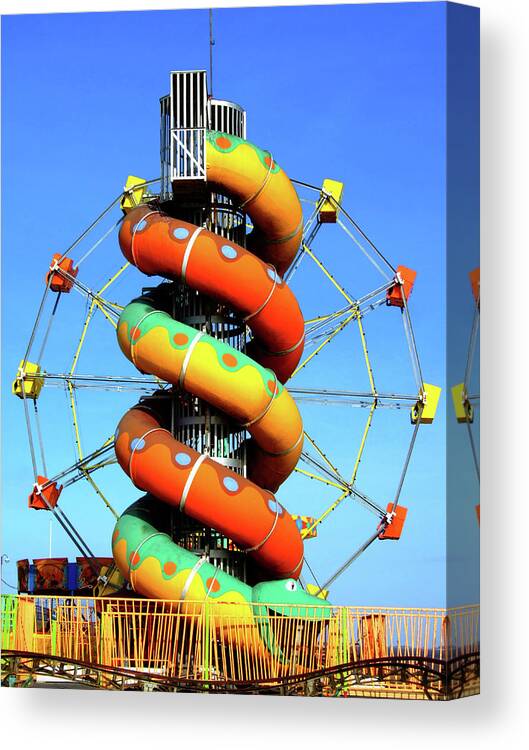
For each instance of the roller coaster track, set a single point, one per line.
(393, 677)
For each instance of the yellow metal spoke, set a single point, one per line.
(321, 453)
(99, 492)
(328, 274)
(363, 441)
(319, 479)
(75, 421)
(325, 342)
(366, 355)
(83, 336)
(107, 316)
(323, 317)
(346, 493)
(114, 277)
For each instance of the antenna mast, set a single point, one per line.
(211, 45)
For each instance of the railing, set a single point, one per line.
(188, 160)
(232, 643)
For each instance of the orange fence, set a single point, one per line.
(202, 641)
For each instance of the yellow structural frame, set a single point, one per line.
(423, 411)
(97, 303)
(309, 531)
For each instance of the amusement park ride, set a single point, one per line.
(217, 431)
(214, 344)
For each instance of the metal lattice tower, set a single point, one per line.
(186, 113)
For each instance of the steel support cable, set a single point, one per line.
(352, 394)
(331, 471)
(471, 350)
(301, 252)
(91, 295)
(101, 465)
(316, 324)
(332, 474)
(323, 480)
(97, 490)
(364, 235)
(23, 379)
(48, 329)
(321, 453)
(350, 561)
(351, 403)
(371, 306)
(314, 339)
(326, 316)
(39, 436)
(36, 324)
(82, 474)
(324, 343)
(349, 489)
(102, 215)
(77, 466)
(98, 242)
(90, 315)
(70, 385)
(310, 229)
(328, 332)
(364, 251)
(328, 324)
(407, 459)
(312, 218)
(375, 292)
(329, 275)
(415, 372)
(353, 222)
(67, 525)
(94, 378)
(30, 436)
(413, 351)
(350, 486)
(70, 529)
(473, 448)
(313, 574)
(107, 316)
(104, 386)
(306, 184)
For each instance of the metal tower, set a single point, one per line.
(186, 112)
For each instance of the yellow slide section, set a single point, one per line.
(253, 177)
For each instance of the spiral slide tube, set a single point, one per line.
(247, 388)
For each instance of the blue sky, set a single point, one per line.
(356, 93)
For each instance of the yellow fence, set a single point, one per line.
(202, 641)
